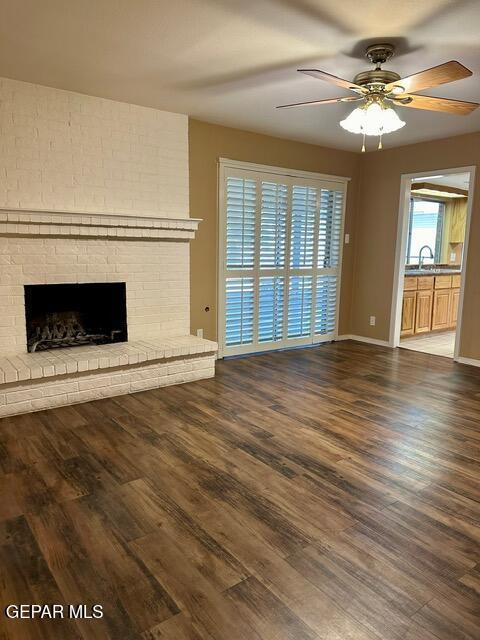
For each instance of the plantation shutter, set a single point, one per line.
(280, 254)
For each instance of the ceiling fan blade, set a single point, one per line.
(443, 73)
(456, 107)
(314, 103)
(340, 82)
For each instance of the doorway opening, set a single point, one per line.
(433, 229)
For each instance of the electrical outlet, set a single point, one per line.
(453, 257)
(373, 320)
(347, 238)
(199, 333)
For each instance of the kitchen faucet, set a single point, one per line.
(421, 258)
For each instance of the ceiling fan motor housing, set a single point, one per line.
(376, 76)
(374, 79)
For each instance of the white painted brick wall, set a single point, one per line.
(156, 276)
(62, 151)
(65, 151)
(47, 394)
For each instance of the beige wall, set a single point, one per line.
(209, 142)
(376, 229)
(371, 219)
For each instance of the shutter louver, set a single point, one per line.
(304, 208)
(326, 304)
(270, 309)
(299, 306)
(330, 228)
(239, 311)
(241, 205)
(273, 225)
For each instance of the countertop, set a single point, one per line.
(432, 272)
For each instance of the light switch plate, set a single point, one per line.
(347, 238)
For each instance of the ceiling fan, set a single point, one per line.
(379, 90)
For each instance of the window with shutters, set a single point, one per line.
(280, 256)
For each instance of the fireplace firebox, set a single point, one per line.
(69, 315)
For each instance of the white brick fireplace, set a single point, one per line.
(150, 255)
(82, 182)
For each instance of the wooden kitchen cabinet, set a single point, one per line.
(441, 309)
(454, 301)
(443, 282)
(425, 282)
(423, 311)
(410, 283)
(430, 303)
(458, 224)
(408, 313)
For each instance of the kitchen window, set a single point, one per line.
(425, 228)
(280, 258)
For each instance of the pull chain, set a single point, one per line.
(363, 144)
(380, 139)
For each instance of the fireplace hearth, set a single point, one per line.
(69, 315)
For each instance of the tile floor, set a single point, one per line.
(440, 344)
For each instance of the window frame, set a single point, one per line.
(439, 234)
(243, 169)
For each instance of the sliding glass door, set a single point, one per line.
(280, 254)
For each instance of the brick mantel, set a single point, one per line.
(64, 223)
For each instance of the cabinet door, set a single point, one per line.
(441, 309)
(454, 300)
(408, 313)
(458, 224)
(423, 313)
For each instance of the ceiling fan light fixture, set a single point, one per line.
(378, 89)
(372, 119)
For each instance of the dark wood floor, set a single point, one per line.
(330, 493)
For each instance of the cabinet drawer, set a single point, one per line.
(456, 279)
(443, 282)
(410, 283)
(425, 282)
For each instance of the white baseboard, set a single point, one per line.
(469, 361)
(378, 343)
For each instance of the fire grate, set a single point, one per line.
(70, 315)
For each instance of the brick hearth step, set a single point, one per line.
(35, 381)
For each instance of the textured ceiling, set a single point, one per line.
(231, 61)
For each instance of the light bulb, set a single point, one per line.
(373, 120)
